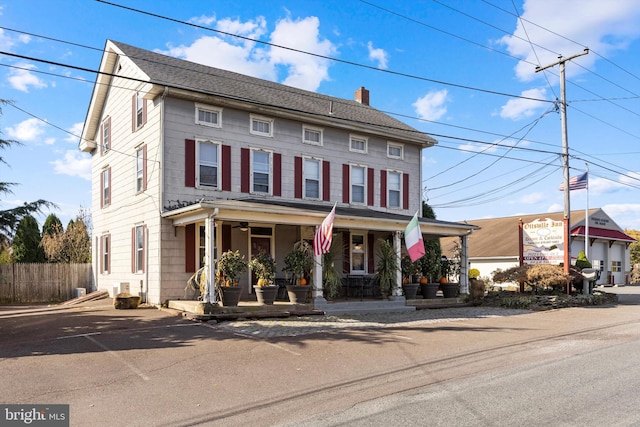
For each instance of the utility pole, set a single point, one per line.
(565, 156)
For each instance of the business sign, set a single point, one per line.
(543, 242)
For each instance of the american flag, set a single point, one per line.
(324, 235)
(578, 182)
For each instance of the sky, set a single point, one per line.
(461, 71)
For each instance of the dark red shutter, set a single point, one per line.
(345, 184)
(297, 177)
(190, 248)
(370, 253)
(245, 161)
(346, 252)
(326, 181)
(370, 178)
(405, 191)
(144, 167)
(277, 174)
(189, 163)
(383, 188)
(226, 167)
(226, 237)
(144, 112)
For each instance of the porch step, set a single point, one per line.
(363, 307)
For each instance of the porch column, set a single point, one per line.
(396, 292)
(317, 293)
(209, 247)
(464, 265)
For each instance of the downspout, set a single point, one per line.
(161, 198)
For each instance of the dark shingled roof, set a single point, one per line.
(181, 74)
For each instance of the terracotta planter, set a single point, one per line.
(429, 290)
(266, 295)
(410, 290)
(450, 290)
(297, 293)
(230, 295)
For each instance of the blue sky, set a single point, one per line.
(462, 71)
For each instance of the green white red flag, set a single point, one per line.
(413, 239)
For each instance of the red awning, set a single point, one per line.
(602, 233)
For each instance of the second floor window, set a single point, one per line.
(358, 184)
(394, 188)
(261, 171)
(141, 169)
(208, 163)
(140, 110)
(311, 178)
(262, 126)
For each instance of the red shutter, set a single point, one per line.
(370, 252)
(245, 160)
(144, 112)
(190, 248)
(405, 191)
(133, 112)
(345, 184)
(297, 177)
(144, 167)
(226, 167)
(346, 253)
(326, 181)
(383, 188)
(226, 238)
(189, 163)
(277, 174)
(370, 178)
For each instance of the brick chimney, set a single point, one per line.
(362, 96)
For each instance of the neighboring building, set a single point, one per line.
(189, 161)
(496, 244)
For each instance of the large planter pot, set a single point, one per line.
(410, 290)
(450, 290)
(230, 295)
(429, 290)
(297, 293)
(266, 295)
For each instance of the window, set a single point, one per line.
(106, 135)
(311, 178)
(208, 116)
(105, 183)
(140, 113)
(357, 253)
(358, 189)
(358, 144)
(311, 135)
(141, 169)
(138, 249)
(616, 266)
(261, 171)
(105, 241)
(208, 163)
(395, 151)
(394, 188)
(261, 126)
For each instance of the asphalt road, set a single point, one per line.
(148, 367)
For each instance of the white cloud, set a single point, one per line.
(378, 55)
(75, 132)
(519, 108)
(626, 215)
(21, 78)
(74, 163)
(29, 130)
(203, 20)
(432, 105)
(602, 29)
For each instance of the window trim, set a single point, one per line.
(320, 131)
(395, 145)
(304, 177)
(139, 248)
(364, 139)
(209, 109)
(252, 171)
(218, 165)
(139, 113)
(389, 189)
(364, 185)
(105, 186)
(141, 169)
(257, 118)
(105, 256)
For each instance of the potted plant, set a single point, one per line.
(230, 265)
(430, 269)
(331, 281)
(386, 268)
(264, 267)
(451, 271)
(476, 286)
(298, 263)
(409, 271)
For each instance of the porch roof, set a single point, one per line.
(261, 211)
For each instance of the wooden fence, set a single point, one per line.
(42, 283)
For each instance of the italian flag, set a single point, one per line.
(413, 239)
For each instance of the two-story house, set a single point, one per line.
(189, 161)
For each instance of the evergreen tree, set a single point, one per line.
(51, 225)
(26, 242)
(77, 242)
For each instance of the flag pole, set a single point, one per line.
(586, 218)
